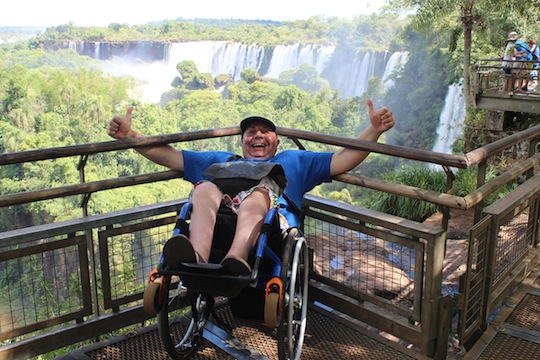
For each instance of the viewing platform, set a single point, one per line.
(489, 85)
(380, 286)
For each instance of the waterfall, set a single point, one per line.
(450, 120)
(235, 57)
(293, 56)
(96, 50)
(346, 70)
(395, 62)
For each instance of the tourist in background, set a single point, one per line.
(522, 54)
(536, 56)
(508, 61)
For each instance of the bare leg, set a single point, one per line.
(206, 199)
(251, 214)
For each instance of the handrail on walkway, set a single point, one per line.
(445, 160)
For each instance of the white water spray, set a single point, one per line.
(451, 120)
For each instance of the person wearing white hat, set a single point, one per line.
(508, 61)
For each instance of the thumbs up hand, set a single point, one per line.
(119, 127)
(382, 119)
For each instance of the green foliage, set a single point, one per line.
(415, 175)
(466, 180)
(188, 70)
(249, 75)
(375, 32)
(421, 176)
(305, 78)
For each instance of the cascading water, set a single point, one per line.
(395, 62)
(451, 119)
(349, 77)
(287, 57)
(347, 71)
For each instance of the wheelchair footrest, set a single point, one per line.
(211, 279)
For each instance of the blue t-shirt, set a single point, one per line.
(522, 46)
(303, 169)
(537, 53)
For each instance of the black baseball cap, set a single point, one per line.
(252, 119)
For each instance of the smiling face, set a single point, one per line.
(259, 141)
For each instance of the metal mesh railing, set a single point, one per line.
(474, 292)
(362, 262)
(512, 243)
(42, 285)
(128, 254)
(369, 263)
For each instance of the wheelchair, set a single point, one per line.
(184, 297)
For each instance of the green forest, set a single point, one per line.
(53, 97)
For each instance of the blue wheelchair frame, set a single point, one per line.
(211, 278)
(201, 283)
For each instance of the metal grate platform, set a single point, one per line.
(515, 331)
(327, 337)
(502, 343)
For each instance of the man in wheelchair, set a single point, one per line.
(303, 169)
(264, 188)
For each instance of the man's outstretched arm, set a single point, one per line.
(347, 159)
(120, 128)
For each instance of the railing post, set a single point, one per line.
(450, 177)
(431, 300)
(480, 180)
(89, 241)
(533, 143)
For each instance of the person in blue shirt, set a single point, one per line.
(536, 56)
(522, 53)
(303, 169)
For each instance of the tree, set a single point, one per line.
(249, 75)
(188, 70)
(483, 16)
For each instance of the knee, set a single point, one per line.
(260, 196)
(206, 190)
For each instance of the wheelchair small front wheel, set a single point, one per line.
(295, 277)
(271, 310)
(151, 297)
(180, 333)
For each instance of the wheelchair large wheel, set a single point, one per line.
(295, 277)
(179, 332)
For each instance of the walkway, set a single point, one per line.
(328, 336)
(515, 331)
(513, 334)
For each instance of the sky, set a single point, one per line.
(104, 12)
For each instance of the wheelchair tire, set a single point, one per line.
(271, 310)
(179, 333)
(295, 278)
(151, 304)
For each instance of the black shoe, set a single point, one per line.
(236, 265)
(178, 249)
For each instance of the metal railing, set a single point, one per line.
(503, 247)
(496, 90)
(75, 280)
